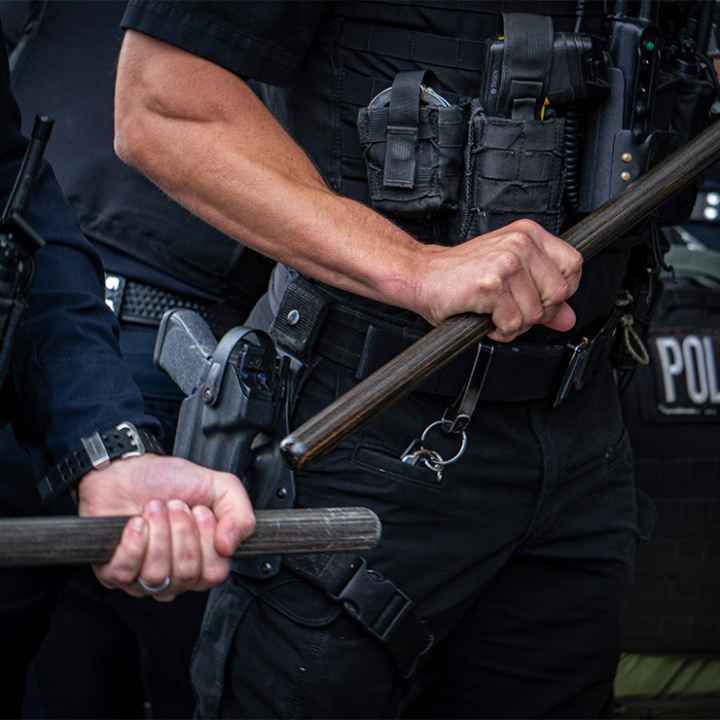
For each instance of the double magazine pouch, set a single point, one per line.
(514, 164)
(413, 142)
(514, 170)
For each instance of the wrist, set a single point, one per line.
(95, 452)
(402, 281)
(421, 277)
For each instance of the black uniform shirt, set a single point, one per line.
(272, 42)
(63, 64)
(67, 377)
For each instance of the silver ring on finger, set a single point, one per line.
(154, 589)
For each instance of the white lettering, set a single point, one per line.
(671, 366)
(712, 376)
(695, 370)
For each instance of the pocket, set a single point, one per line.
(297, 653)
(612, 460)
(388, 467)
(296, 599)
(412, 141)
(514, 169)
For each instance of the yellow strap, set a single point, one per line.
(546, 104)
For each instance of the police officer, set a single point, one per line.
(672, 630)
(156, 256)
(497, 588)
(67, 382)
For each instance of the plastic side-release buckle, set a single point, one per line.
(385, 611)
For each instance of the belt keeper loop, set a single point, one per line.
(300, 316)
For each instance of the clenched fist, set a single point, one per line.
(187, 522)
(521, 275)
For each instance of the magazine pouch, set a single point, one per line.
(412, 141)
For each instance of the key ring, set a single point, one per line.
(460, 452)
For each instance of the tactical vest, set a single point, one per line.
(672, 409)
(115, 205)
(499, 168)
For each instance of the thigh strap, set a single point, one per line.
(373, 601)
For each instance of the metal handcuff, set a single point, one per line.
(455, 419)
(416, 452)
(428, 96)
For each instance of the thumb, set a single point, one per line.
(233, 512)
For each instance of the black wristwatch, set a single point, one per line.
(97, 451)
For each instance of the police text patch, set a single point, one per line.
(686, 371)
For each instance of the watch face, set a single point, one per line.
(428, 96)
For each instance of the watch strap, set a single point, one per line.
(96, 452)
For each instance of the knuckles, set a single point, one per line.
(511, 325)
(536, 315)
(574, 263)
(215, 573)
(560, 292)
(507, 263)
(246, 526)
(122, 576)
(527, 226)
(490, 283)
(187, 574)
(521, 242)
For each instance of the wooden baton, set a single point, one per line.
(76, 541)
(444, 343)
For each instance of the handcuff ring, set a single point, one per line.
(460, 452)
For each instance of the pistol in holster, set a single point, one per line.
(235, 411)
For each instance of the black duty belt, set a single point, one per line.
(518, 372)
(135, 302)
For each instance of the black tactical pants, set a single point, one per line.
(518, 559)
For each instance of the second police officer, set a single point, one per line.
(156, 256)
(434, 158)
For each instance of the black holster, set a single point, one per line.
(235, 412)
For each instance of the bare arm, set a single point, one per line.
(201, 135)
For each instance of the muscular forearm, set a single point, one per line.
(214, 148)
(198, 132)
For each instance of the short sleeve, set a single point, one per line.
(264, 41)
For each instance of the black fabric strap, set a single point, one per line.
(373, 601)
(120, 441)
(402, 129)
(300, 317)
(459, 414)
(527, 59)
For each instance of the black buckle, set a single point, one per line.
(375, 602)
(575, 370)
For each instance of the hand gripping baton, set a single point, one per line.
(75, 541)
(458, 334)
